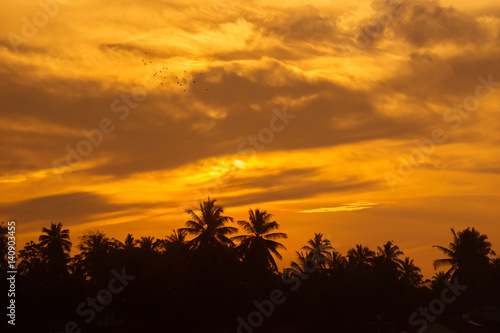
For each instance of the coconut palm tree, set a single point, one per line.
(129, 243)
(386, 262)
(3, 246)
(259, 246)
(95, 244)
(176, 242)
(410, 273)
(468, 253)
(335, 261)
(30, 259)
(56, 245)
(389, 254)
(438, 279)
(209, 227)
(177, 236)
(95, 248)
(149, 244)
(360, 256)
(176, 247)
(305, 264)
(318, 247)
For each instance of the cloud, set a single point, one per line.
(294, 191)
(68, 208)
(344, 208)
(424, 23)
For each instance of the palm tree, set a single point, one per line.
(3, 246)
(259, 246)
(56, 245)
(95, 244)
(386, 261)
(30, 259)
(55, 238)
(130, 243)
(438, 279)
(210, 227)
(389, 253)
(468, 253)
(360, 256)
(95, 247)
(319, 247)
(176, 247)
(149, 244)
(410, 273)
(335, 261)
(177, 237)
(175, 242)
(305, 264)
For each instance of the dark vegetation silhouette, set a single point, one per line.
(205, 275)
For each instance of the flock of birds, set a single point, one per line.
(164, 75)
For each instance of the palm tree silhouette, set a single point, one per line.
(210, 227)
(389, 254)
(305, 264)
(3, 246)
(410, 273)
(149, 244)
(467, 253)
(177, 237)
(129, 243)
(438, 279)
(387, 262)
(335, 261)
(259, 246)
(95, 246)
(55, 245)
(360, 256)
(319, 247)
(175, 246)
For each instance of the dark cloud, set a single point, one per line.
(434, 79)
(425, 23)
(300, 24)
(271, 179)
(69, 209)
(297, 190)
(171, 128)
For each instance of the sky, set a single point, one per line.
(368, 121)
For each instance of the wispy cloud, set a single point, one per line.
(344, 208)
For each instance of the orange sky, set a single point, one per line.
(358, 105)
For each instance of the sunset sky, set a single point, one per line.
(367, 121)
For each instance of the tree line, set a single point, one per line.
(209, 275)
